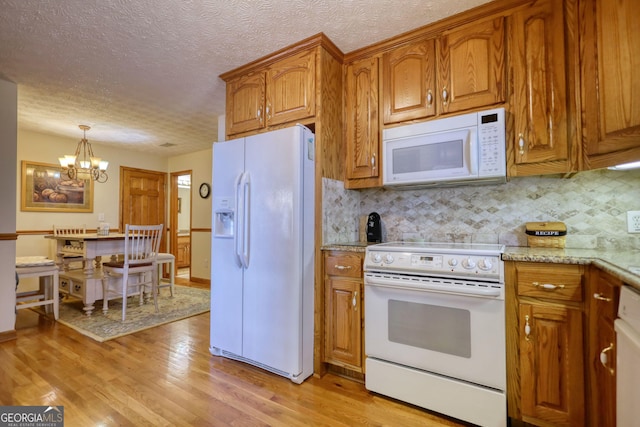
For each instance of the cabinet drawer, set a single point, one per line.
(76, 288)
(560, 282)
(344, 265)
(64, 284)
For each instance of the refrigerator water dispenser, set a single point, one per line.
(223, 219)
(223, 224)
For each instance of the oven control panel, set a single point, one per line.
(475, 265)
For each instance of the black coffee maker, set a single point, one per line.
(374, 228)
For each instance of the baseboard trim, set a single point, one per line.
(8, 335)
(200, 280)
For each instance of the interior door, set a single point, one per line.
(142, 198)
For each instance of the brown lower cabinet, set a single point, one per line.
(545, 351)
(561, 344)
(603, 308)
(183, 256)
(343, 316)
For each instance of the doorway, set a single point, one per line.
(180, 236)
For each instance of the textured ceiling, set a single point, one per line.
(144, 73)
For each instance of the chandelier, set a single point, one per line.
(83, 164)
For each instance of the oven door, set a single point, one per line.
(453, 334)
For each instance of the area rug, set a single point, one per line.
(186, 302)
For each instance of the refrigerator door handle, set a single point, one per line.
(246, 189)
(239, 216)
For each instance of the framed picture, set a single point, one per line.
(45, 188)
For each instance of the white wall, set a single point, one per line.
(37, 147)
(8, 142)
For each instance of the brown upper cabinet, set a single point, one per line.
(461, 69)
(362, 124)
(245, 103)
(471, 66)
(282, 93)
(291, 89)
(543, 138)
(409, 82)
(610, 46)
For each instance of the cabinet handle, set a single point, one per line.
(373, 161)
(521, 143)
(354, 300)
(445, 96)
(342, 267)
(527, 328)
(548, 286)
(604, 359)
(77, 288)
(268, 111)
(259, 114)
(601, 298)
(429, 98)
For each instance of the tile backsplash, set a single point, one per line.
(592, 204)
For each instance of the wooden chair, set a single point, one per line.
(72, 252)
(141, 246)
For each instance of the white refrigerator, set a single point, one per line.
(262, 246)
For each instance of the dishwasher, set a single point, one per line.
(627, 328)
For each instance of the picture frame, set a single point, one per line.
(46, 188)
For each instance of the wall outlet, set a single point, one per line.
(101, 217)
(633, 221)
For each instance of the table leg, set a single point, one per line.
(88, 266)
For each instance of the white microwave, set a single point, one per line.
(464, 149)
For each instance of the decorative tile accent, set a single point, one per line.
(592, 204)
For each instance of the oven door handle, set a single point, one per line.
(425, 287)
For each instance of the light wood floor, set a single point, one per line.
(166, 376)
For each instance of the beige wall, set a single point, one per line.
(199, 163)
(37, 147)
(8, 138)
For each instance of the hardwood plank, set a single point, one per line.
(166, 376)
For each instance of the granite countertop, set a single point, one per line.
(348, 246)
(622, 264)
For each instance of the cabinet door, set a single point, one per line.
(471, 66)
(408, 76)
(551, 367)
(603, 307)
(539, 99)
(361, 105)
(245, 103)
(291, 89)
(611, 90)
(183, 258)
(342, 319)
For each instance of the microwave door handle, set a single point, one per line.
(473, 152)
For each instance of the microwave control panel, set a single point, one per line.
(491, 143)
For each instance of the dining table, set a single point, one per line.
(86, 283)
(91, 246)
